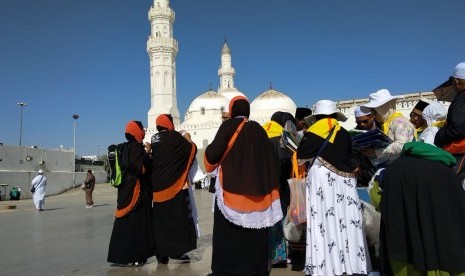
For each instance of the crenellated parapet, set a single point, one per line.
(404, 102)
(161, 14)
(162, 45)
(199, 126)
(404, 105)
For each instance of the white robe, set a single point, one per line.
(39, 182)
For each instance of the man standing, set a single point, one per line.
(364, 169)
(454, 129)
(38, 183)
(88, 188)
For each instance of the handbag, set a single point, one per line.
(298, 204)
(297, 208)
(33, 189)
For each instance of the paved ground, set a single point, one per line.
(68, 239)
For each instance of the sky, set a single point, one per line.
(88, 57)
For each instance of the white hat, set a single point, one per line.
(379, 98)
(358, 112)
(40, 172)
(459, 71)
(325, 107)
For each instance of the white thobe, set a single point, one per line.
(38, 197)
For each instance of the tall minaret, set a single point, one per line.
(162, 49)
(226, 71)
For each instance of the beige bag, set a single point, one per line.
(297, 211)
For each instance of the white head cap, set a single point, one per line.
(358, 112)
(40, 172)
(459, 71)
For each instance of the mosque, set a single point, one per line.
(203, 117)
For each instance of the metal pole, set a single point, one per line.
(21, 104)
(98, 152)
(75, 117)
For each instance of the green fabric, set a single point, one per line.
(375, 195)
(406, 269)
(429, 152)
(118, 174)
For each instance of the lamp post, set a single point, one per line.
(98, 151)
(75, 117)
(21, 105)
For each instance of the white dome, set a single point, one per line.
(209, 100)
(266, 104)
(206, 107)
(230, 93)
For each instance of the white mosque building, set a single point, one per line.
(203, 117)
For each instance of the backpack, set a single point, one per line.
(15, 193)
(115, 154)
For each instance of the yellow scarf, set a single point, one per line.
(387, 124)
(438, 124)
(273, 129)
(418, 132)
(323, 126)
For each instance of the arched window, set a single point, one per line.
(202, 111)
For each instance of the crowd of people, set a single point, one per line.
(415, 183)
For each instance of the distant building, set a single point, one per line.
(90, 157)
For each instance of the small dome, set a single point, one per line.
(230, 93)
(225, 50)
(208, 100)
(267, 103)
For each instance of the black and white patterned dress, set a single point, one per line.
(335, 235)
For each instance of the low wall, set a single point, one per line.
(57, 182)
(19, 165)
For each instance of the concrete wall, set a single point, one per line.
(19, 165)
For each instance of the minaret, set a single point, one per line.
(226, 71)
(162, 49)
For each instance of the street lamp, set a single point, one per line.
(98, 151)
(75, 117)
(21, 105)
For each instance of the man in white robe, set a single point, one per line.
(39, 182)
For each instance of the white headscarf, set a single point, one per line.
(434, 113)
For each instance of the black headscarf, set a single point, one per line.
(282, 117)
(239, 106)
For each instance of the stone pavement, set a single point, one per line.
(68, 239)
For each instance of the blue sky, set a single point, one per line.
(88, 57)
